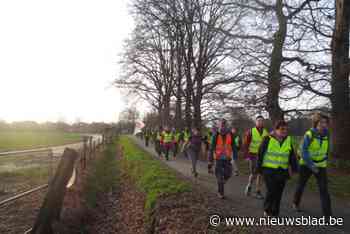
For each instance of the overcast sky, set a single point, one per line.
(58, 58)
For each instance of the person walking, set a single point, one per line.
(214, 131)
(167, 140)
(194, 149)
(275, 156)
(235, 149)
(186, 134)
(176, 145)
(147, 137)
(158, 143)
(252, 141)
(221, 152)
(314, 156)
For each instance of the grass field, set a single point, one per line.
(13, 140)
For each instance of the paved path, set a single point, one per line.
(235, 186)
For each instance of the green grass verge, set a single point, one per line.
(19, 140)
(151, 176)
(103, 176)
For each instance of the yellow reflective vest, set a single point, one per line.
(256, 140)
(277, 155)
(318, 153)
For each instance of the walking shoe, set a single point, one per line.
(221, 196)
(259, 196)
(247, 190)
(236, 173)
(296, 207)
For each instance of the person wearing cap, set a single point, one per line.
(314, 157)
(275, 156)
(221, 151)
(252, 141)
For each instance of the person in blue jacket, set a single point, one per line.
(314, 157)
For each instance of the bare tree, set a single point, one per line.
(340, 80)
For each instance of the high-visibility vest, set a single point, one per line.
(223, 147)
(209, 137)
(236, 141)
(256, 140)
(168, 137)
(277, 155)
(177, 137)
(318, 153)
(186, 136)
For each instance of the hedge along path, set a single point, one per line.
(151, 176)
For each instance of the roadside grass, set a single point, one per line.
(150, 175)
(20, 140)
(103, 176)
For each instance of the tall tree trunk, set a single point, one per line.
(166, 111)
(178, 105)
(197, 101)
(340, 81)
(274, 74)
(188, 112)
(160, 114)
(179, 67)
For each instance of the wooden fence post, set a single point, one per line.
(52, 205)
(83, 158)
(90, 147)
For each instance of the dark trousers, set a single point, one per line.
(223, 171)
(275, 181)
(158, 147)
(176, 149)
(322, 183)
(194, 155)
(147, 141)
(167, 149)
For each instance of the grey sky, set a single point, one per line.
(57, 59)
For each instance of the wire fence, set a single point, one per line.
(26, 177)
(26, 171)
(22, 171)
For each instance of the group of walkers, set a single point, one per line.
(271, 156)
(173, 142)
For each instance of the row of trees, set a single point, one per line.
(200, 58)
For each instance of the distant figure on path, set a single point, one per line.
(158, 145)
(194, 149)
(235, 149)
